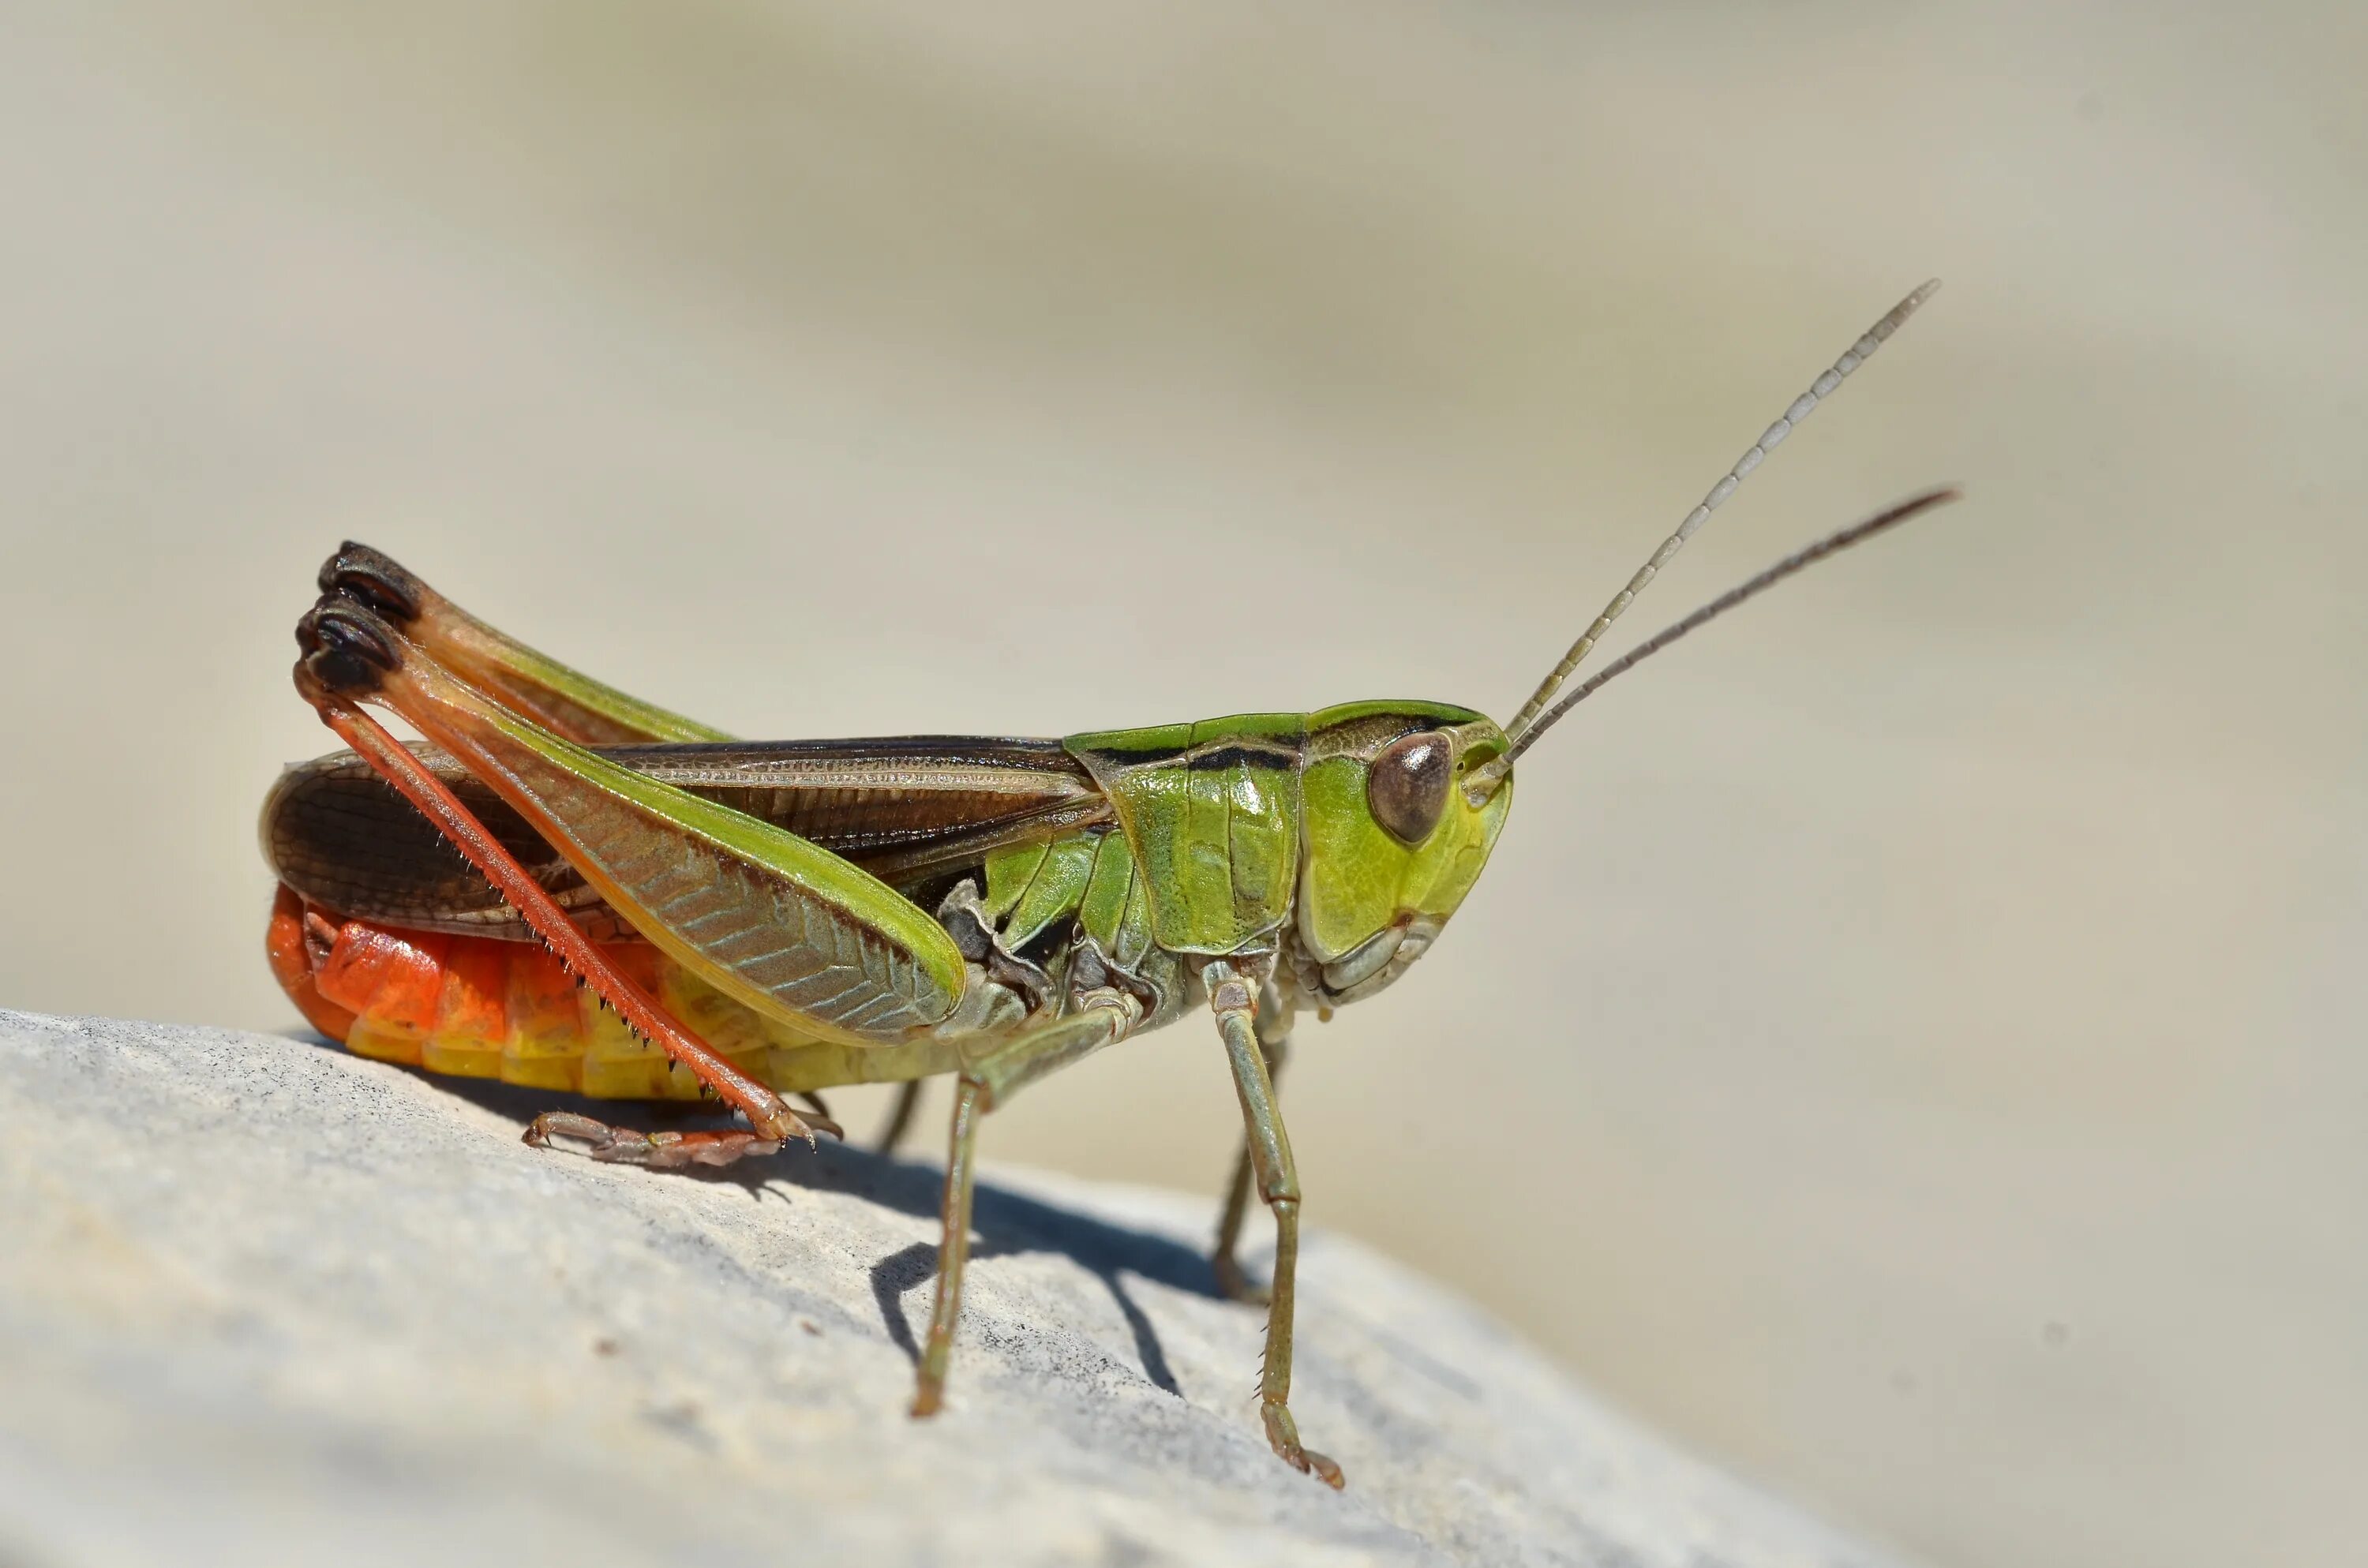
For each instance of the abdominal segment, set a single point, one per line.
(481, 1007)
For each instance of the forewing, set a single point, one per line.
(907, 809)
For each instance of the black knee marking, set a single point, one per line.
(345, 647)
(374, 580)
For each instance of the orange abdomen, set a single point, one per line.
(484, 1008)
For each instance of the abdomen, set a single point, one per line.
(481, 1007)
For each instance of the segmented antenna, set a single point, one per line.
(1889, 517)
(1857, 354)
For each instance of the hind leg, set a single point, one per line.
(318, 678)
(567, 702)
(787, 929)
(655, 1151)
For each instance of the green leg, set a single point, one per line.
(1272, 1023)
(1230, 997)
(987, 1081)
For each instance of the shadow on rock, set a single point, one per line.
(1005, 1223)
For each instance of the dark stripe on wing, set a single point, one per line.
(906, 808)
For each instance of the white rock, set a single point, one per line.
(263, 1302)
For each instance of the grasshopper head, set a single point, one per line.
(1395, 839)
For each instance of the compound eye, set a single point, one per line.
(1408, 787)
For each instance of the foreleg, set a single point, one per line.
(1272, 1023)
(1230, 997)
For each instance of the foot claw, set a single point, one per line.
(1283, 1432)
(1321, 1468)
(655, 1151)
(778, 1122)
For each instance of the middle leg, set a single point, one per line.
(989, 1079)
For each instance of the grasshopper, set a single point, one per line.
(651, 908)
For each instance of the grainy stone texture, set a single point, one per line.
(265, 1302)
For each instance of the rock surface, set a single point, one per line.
(263, 1302)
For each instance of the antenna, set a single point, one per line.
(1857, 354)
(1889, 517)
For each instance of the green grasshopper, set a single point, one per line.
(762, 920)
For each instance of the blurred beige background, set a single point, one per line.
(1909, 1043)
